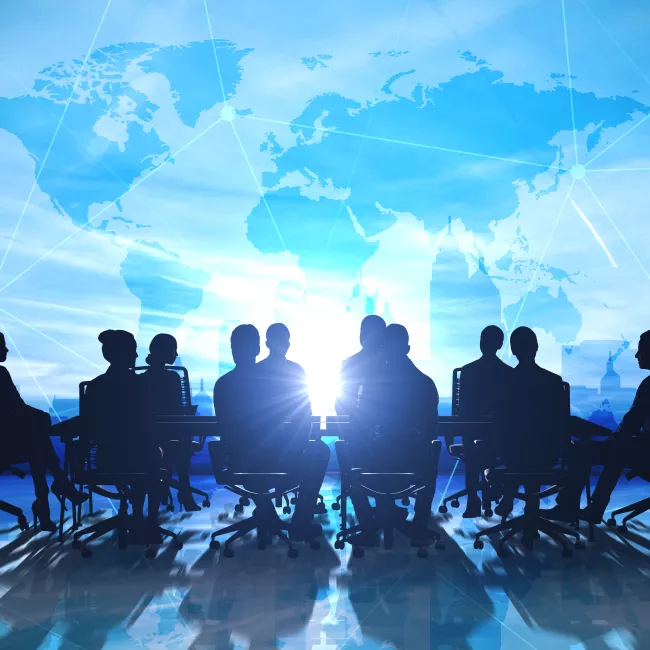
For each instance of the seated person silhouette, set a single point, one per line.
(122, 429)
(162, 388)
(532, 435)
(629, 443)
(485, 385)
(253, 403)
(26, 438)
(405, 423)
(363, 368)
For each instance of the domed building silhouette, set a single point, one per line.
(611, 380)
(203, 401)
(460, 305)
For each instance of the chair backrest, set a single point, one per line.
(455, 392)
(186, 391)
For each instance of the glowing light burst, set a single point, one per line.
(594, 232)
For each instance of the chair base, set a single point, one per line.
(530, 525)
(633, 510)
(16, 512)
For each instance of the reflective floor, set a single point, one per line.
(455, 599)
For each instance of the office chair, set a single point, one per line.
(533, 521)
(197, 445)
(85, 474)
(457, 452)
(267, 490)
(10, 509)
(383, 486)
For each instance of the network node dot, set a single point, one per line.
(228, 113)
(578, 171)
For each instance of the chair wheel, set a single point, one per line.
(611, 522)
(567, 552)
(244, 501)
(222, 516)
(86, 552)
(150, 552)
(422, 552)
(580, 545)
(228, 552)
(239, 508)
(22, 522)
(488, 513)
(336, 506)
(339, 545)
(286, 510)
(443, 510)
(358, 552)
(478, 544)
(215, 545)
(292, 501)
(441, 546)
(293, 553)
(170, 508)
(178, 545)
(76, 544)
(455, 503)
(406, 501)
(623, 529)
(314, 545)
(320, 508)
(206, 503)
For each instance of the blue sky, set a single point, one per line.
(197, 208)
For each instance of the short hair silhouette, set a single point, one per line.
(163, 348)
(643, 351)
(396, 340)
(277, 338)
(492, 338)
(245, 343)
(119, 347)
(372, 330)
(523, 343)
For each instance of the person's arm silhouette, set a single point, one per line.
(638, 414)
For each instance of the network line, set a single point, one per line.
(111, 204)
(402, 142)
(568, 65)
(241, 145)
(49, 338)
(29, 370)
(622, 169)
(611, 144)
(620, 234)
(54, 136)
(541, 259)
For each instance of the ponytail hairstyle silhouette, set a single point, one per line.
(162, 350)
(119, 348)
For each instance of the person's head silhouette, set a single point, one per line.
(119, 348)
(277, 340)
(643, 353)
(396, 342)
(523, 343)
(3, 348)
(372, 333)
(491, 340)
(245, 345)
(163, 350)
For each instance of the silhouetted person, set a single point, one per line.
(485, 386)
(537, 414)
(122, 430)
(628, 447)
(163, 393)
(26, 438)
(363, 368)
(285, 397)
(408, 418)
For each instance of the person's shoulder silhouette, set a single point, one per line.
(485, 382)
(364, 367)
